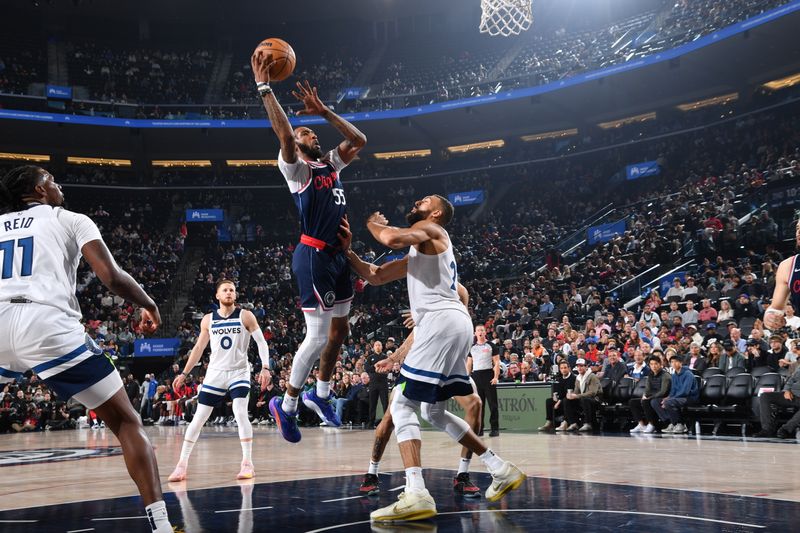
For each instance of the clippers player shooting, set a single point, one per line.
(319, 266)
(435, 368)
(42, 244)
(229, 331)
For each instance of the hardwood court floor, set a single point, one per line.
(44, 469)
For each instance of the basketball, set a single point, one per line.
(283, 55)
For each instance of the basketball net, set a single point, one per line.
(505, 17)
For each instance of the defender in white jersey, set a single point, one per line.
(435, 367)
(41, 244)
(229, 331)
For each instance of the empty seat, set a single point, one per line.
(738, 393)
(735, 371)
(760, 371)
(711, 393)
(638, 389)
(624, 390)
(768, 382)
(711, 371)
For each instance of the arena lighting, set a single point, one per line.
(100, 161)
(403, 154)
(35, 158)
(462, 148)
(252, 162)
(708, 102)
(783, 83)
(550, 135)
(628, 120)
(167, 163)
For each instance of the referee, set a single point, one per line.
(483, 363)
(378, 383)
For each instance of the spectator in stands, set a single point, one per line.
(563, 384)
(527, 374)
(690, 316)
(584, 400)
(730, 356)
(362, 401)
(683, 391)
(676, 291)
(737, 340)
(789, 397)
(707, 313)
(711, 337)
(792, 321)
(638, 368)
(694, 360)
(656, 389)
(725, 311)
(614, 369)
(777, 352)
(649, 315)
(745, 307)
(689, 289)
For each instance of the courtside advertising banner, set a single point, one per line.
(643, 169)
(156, 347)
(466, 198)
(57, 91)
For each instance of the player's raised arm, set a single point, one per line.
(373, 274)
(354, 139)
(261, 63)
(396, 238)
(120, 282)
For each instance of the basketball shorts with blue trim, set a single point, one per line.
(436, 367)
(55, 346)
(218, 382)
(323, 279)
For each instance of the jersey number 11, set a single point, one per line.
(7, 247)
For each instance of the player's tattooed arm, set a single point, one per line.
(261, 64)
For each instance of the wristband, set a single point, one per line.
(263, 88)
(773, 310)
(184, 374)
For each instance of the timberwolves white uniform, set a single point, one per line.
(229, 369)
(435, 368)
(40, 329)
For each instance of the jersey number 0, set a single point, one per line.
(7, 247)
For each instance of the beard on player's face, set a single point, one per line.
(415, 215)
(314, 152)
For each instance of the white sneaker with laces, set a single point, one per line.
(639, 428)
(572, 427)
(508, 478)
(585, 427)
(680, 428)
(669, 429)
(562, 427)
(411, 505)
(649, 428)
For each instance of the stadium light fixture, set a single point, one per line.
(169, 163)
(783, 83)
(99, 161)
(708, 102)
(463, 148)
(252, 162)
(549, 135)
(33, 158)
(644, 117)
(403, 154)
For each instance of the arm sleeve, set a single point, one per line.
(80, 227)
(263, 348)
(297, 174)
(666, 384)
(335, 159)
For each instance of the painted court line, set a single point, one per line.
(246, 509)
(80, 530)
(642, 513)
(18, 521)
(119, 518)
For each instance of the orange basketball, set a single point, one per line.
(282, 54)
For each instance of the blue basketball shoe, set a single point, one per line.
(287, 424)
(324, 408)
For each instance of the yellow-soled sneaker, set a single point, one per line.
(508, 478)
(415, 505)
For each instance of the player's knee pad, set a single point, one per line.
(437, 416)
(404, 416)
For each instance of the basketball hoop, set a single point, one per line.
(505, 17)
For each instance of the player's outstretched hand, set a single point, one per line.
(264, 377)
(151, 319)
(408, 320)
(384, 366)
(261, 62)
(308, 95)
(345, 235)
(178, 381)
(377, 218)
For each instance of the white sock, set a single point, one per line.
(186, 451)
(247, 450)
(323, 389)
(414, 479)
(289, 404)
(373, 467)
(463, 466)
(493, 462)
(157, 515)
